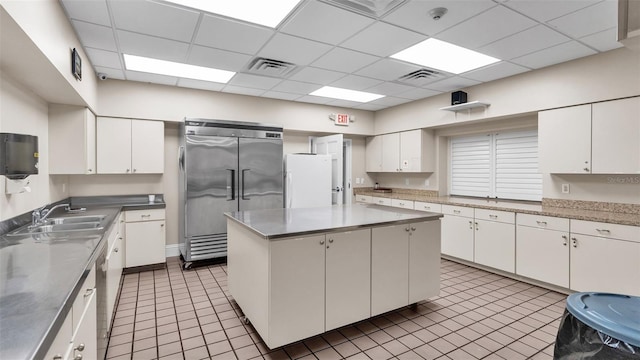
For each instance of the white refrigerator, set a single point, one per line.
(307, 180)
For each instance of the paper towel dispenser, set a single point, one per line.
(18, 155)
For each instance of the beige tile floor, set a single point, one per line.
(175, 314)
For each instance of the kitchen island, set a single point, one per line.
(296, 273)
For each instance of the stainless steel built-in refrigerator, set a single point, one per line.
(224, 166)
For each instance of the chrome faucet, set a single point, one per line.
(39, 215)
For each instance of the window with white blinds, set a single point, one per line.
(501, 165)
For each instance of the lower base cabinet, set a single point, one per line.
(457, 236)
(495, 239)
(146, 239)
(543, 254)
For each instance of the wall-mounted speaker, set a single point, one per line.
(458, 97)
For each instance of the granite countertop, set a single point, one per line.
(279, 223)
(40, 275)
(523, 207)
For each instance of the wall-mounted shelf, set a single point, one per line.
(466, 106)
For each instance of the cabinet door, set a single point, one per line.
(85, 335)
(389, 269)
(147, 147)
(564, 140)
(145, 243)
(604, 265)
(348, 278)
(391, 152)
(543, 255)
(411, 151)
(616, 137)
(90, 142)
(373, 154)
(297, 293)
(61, 343)
(424, 260)
(114, 263)
(457, 237)
(72, 140)
(495, 245)
(113, 152)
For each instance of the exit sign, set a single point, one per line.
(342, 119)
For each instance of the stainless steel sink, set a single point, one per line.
(74, 219)
(63, 225)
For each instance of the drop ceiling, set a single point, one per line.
(324, 43)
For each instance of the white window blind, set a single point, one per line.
(502, 165)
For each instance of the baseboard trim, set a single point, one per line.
(172, 250)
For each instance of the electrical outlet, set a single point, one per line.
(565, 188)
(426, 182)
(64, 188)
(406, 181)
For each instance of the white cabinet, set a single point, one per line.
(145, 237)
(126, 146)
(425, 206)
(72, 140)
(494, 239)
(381, 201)
(542, 250)
(424, 260)
(405, 204)
(457, 232)
(616, 137)
(605, 257)
(61, 344)
(115, 264)
(408, 151)
(364, 199)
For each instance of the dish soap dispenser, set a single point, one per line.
(376, 186)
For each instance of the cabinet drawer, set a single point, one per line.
(495, 215)
(363, 199)
(543, 222)
(425, 206)
(144, 215)
(405, 204)
(83, 298)
(381, 201)
(457, 210)
(613, 231)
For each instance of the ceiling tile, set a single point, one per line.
(415, 94)
(491, 25)
(111, 73)
(159, 20)
(200, 84)
(317, 76)
(344, 60)
(387, 69)
(306, 51)
(104, 58)
(280, 95)
(452, 83)
(149, 46)
(383, 39)
(90, 11)
(151, 78)
(604, 40)
(314, 99)
(254, 81)
(554, 55)
(322, 22)
(242, 90)
(343, 103)
(495, 71)
(414, 15)
(524, 42)
(549, 9)
(239, 37)
(355, 82)
(296, 87)
(95, 36)
(390, 101)
(388, 88)
(601, 16)
(218, 59)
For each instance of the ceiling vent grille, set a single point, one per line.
(421, 77)
(270, 67)
(371, 8)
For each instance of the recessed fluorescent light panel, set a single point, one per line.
(261, 12)
(346, 94)
(170, 68)
(441, 55)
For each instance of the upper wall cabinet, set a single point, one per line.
(600, 138)
(72, 140)
(127, 146)
(409, 151)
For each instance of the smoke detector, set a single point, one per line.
(437, 13)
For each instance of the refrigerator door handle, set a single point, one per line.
(289, 188)
(242, 197)
(181, 157)
(231, 189)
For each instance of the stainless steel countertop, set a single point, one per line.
(40, 276)
(279, 223)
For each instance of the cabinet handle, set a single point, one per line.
(79, 347)
(127, 170)
(493, 216)
(321, 242)
(477, 226)
(603, 231)
(413, 228)
(471, 225)
(541, 223)
(89, 170)
(574, 242)
(401, 204)
(115, 250)
(427, 207)
(88, 293)
(161, 225)
(456, 211)
(564, 241)
(586, 169)
(406, 229)
(331, 240)
(57, 357)
(144, 216)
(77, 357)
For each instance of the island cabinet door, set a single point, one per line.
(389, 268)
(424, 260)
(348, 277)
(296, 298)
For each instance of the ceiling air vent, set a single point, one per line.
(270, 67)
(372, 8)
(421, 77)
